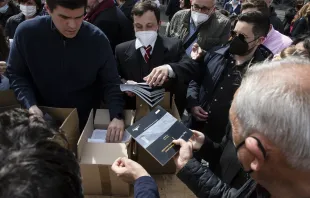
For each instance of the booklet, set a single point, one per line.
(151, 95)
(155, 133)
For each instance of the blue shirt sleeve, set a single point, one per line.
(145, 187)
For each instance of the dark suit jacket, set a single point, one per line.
(116, 26)
(127, 7)
(131, 64)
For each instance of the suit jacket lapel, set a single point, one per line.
(133, 60)
(158, 54)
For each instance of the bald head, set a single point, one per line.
(274, 100)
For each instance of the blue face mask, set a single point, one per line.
(3, 9)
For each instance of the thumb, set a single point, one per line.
(179, 142)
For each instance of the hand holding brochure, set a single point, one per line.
(156, 131)
(151, 95)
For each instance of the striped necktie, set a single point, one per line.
(147, 54)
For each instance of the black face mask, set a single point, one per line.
(238, 46)
(260, 146)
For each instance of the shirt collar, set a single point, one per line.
(138, 44)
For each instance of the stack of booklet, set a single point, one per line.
(151, 95)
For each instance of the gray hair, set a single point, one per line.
(274, 99)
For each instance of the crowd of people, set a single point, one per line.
(239, 79)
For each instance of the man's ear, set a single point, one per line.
(259, 160)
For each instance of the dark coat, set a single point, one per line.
(127, 7)
(172, 8)
(228, 7)
(116, 26)
(275, 21)
(12, 10)
(12, 23)
(200, 93)
(300, 27)
(131, 65)
(204, 183)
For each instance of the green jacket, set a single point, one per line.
(213, 32)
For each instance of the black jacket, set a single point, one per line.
(288, 18)
(222, 159)
(172, 8)
(127, 7)
(204, 183)
(200, 93)
(12, 23)
(275, 21)
(47, 69)
(116, 26)
(300, 27)
(12, 10)
(131, 65)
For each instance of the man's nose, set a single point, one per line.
(72, 24)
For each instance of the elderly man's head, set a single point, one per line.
(270, 117)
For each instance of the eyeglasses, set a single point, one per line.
(202, 9)
(260, 146)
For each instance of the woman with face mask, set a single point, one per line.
(29, 9)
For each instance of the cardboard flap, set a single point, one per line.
(166, 102)
(57, 113)
(102, 153)
(102, 118)
(71, 123)
(8, 98)
(87, 132)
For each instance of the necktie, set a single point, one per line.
(147, 54)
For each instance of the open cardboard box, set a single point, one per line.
(96, 158)
(70, 123)
(140, 154)
(8, 101)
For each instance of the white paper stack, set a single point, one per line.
(99, 136)
(151, 95)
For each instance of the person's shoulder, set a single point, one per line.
(33, 25)
(222, 19)
(91, 31)
(181, 14)
(16, 18)
(170, 41)
(122, 47)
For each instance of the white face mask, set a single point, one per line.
(28, 11)
(3, 9)
(199, 18)
(146, 37)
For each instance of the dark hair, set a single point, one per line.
(143, 6)
(31, 165)
(224, 12)
(4, 46)
(306, 43)
(260, 22)
(260, 5)
(38, 4)
(70, 4)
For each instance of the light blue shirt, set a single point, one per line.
(192, 29)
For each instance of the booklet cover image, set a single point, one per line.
(155, 133)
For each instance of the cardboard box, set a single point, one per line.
(96, 158)
(68, 117)
(8, 101)
(139, 153)
(70, 123)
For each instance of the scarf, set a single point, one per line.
(91, 16)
